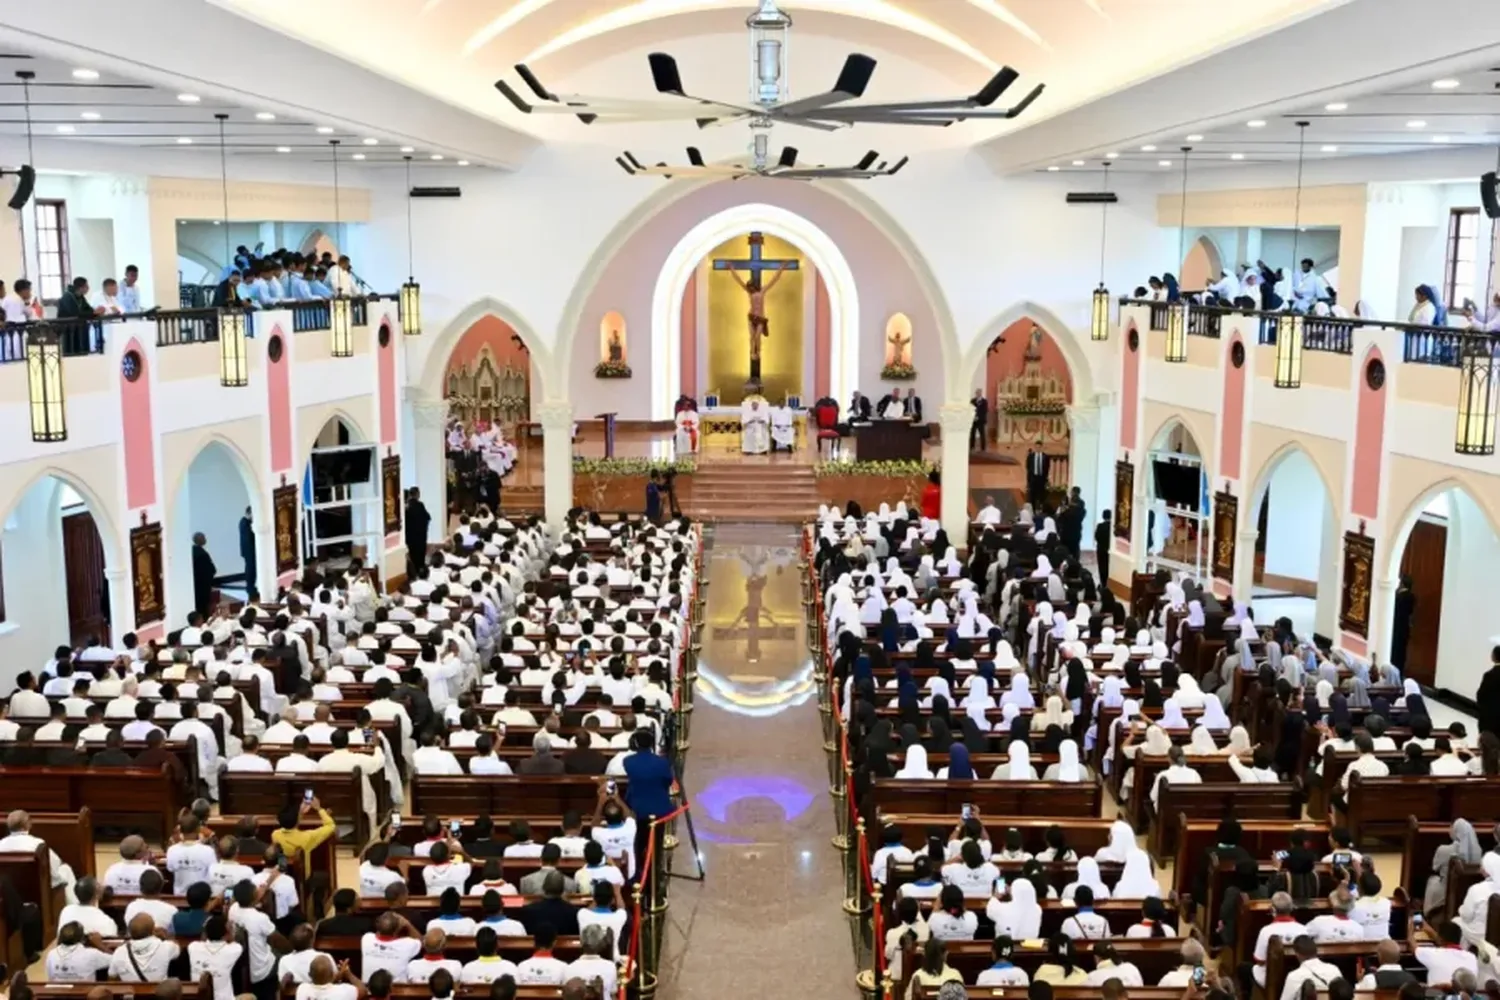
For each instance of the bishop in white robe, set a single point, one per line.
(755, 426)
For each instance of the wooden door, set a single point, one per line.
(83, 567)
(1423, 559)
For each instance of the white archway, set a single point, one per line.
(1299, 549)
(1079, 369)
(211, 494)
(435, 364)
(671, 283)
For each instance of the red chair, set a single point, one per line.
(826, 416)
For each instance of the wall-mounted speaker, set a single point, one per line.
(1488, 194)
(436, 192)
(26, 180)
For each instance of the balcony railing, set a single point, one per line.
(1446, 348)
(1204, 321)
(188, 326)
(78, 338)
(308, 316)
(359, 312)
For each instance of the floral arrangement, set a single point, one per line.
(1036, 407)
(898, 371)
(611, 369)
(890, 470)
(631, 466)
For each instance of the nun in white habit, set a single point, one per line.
(1121, 843)
(1157, 744)
(1018, 766)
(915, 765)
(1120, 725)
(1137, 881)
(1088, 874)
(1171, 715)
(1019, 694)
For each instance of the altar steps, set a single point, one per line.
(781, 494)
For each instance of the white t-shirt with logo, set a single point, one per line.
(373, 880)
(976, 883)
(152, 954)
(189, 863)
(420, 970)
(486, 970)
(298, 965)
(541, 971)
(161, 912)
(594, 967)
(75, 963)
(331, 991)
(453, 875)
(258, 929)
(219, 958)
(124, 877)
(618, 842)
(92, 919)
(393, 955)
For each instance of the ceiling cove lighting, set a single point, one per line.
(189, 98)
(1416, 123)
(1447, 83)
(1256, 123)
(85, 74)
(89, 116)
(265, 116)
(1336, 106)
(1236, 156)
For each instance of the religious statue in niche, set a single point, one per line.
(898, 366)
(612, 348)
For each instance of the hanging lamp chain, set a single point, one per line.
(25, 76)
(224, 181)
(410, 266)
(1103, 225)
(1297, 206)
(1182, 221)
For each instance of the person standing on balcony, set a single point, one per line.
(18, 306)
(1429, 309)
(130, 291)
(299, 285)
(74, 302)
(1308, 287)
(320, 287)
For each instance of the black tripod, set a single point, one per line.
(669, 748)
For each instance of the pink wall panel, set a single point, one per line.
(823, 339)
(140, 441)
(1232, 426)
(1130, 387)
(1369, 444)
(387, 362)
(689, 324)
(279, 408)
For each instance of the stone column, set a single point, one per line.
(265, 552)
(556, 418)
(1381, 605)
(121, 604)
(1083, 462)
(1244, 557)
(428, 456)
(955, 420)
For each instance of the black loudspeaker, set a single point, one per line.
(26, 181)
(1489, 195)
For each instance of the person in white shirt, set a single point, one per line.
(146, 957)
(1003, 972)
(227, 872)
(950, 920)
(28, 702)
(216, 953)
(442, 873)
(488, 966)
(391, 946)
(1085, 923)
(420, 970)
(1177, 773)
(86, 913)
(433, 759)
(1260, 771)
(1336, 925)
(19, 306)
(1192, 956)
(1371, 911)
(1366, 765)
(1107, 966)
(1447, 764)
(124, 876)
(374, 876)
(485, 760)
(1310, 968)
(597, 961)
(1443, 953)
(190, 858)
(542, 969)
(328, 981)
(260, 931)
(297, 762)
(1283, 925)
(249, 760)
(150, 903)
(77, 958)
(971, 873)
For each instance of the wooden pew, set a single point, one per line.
(1155, 957)
(185, 752)
(1256, 913)
(341, 794)
(31, 874)
(1381, 808)
(517, 949)
(1421, 842)
(550, 795)
(1260, 837)
(129, 796)
(1334, 764)
(70, 836)
(1213, 769)
(1281, 959)
(994, 798)
(1085, 836)
(117, 988)
(1216, 800)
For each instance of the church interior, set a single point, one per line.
(1031, 463)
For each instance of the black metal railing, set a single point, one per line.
(196, 296)
(1334, 336)
(311, 316)
(77, 338)
(1268, 326)
(189, 326)
(1446, 348)
(1204, 322)
(359, 313)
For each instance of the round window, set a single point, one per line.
(1237, 354)
(274, 349)
(1375, 374)
(385, 336)
(1134, 340)
(131, 366)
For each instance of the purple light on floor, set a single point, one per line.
(715, 802)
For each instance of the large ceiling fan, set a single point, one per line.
(770, 100)
(758, 165)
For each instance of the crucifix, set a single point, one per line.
(759, 326)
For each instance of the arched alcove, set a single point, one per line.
(1296, 563)
(1202, 265)
(216, 491)
(1176, 507)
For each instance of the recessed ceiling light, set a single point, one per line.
(1077, 163)
(436, 156)
(85, 74)
(189, 98)
(359, 156)
(408, 149)
(1236, 156)
(1330, 149)
(1416, 123)
(371, 142)
(325, 130)
(283, 149)
(463, 163)
(89, 116)
(1256, 123)
(1111, 156)
(265, 116)
(183, 140)
(65, 128)
(216, 222)
(1053, 170)
(1195, 138)
(1447, 83)
(1336, 106)
(1163, 163)
(1440, 138)
(1148, 149)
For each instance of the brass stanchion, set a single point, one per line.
(853, 883)
(645, 973)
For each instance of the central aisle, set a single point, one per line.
(769, 916)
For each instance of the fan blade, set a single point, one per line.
(624, 166)
(513, 97)
(664, 74)
(1026, 101)
(898, 165)
(633, 161)
(529, 78)
(866, 160)
(788, 156)
(998, 84)
(694, 156)
(850, 85)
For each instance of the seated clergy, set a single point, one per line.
(755, 424)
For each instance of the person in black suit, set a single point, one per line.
(1104, 534)
(859, 407)
(114, 753)
(552, 911)
(1037, 466)
(417, 523)
(345, 922)
(583, 758)
(481, 843)
(913, 405)
(981, 419)
(227, 295)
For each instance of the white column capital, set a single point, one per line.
(1249, 535)
(555, 416)
(115, 573)
(955, 418)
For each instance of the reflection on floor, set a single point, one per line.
(759, 786)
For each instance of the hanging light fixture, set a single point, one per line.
(1177, 312)
(340, 310)
(44, 383)
(411, 292)
(1099, 327)
(1289, 325)
(234, 362)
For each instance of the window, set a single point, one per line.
(54, 268)
(1463, 253)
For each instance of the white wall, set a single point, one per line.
(36, 601)
(1294, 526)
(1468, 628)
(108, 226)
(1422, 257)
(1278, 248)
(211, 499)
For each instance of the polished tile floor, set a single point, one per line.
(770, 906)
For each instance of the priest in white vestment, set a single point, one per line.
(687, 432)
(893, 407)
(783, 434)
(755, 426)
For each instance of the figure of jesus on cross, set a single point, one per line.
(759, 326)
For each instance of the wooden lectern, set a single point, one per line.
(889, 441)
(609, 433)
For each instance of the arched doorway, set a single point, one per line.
(1176, 500)
(342, 511)
(216, 492)
(1295, 569)
(1029, 386)
(53, 561)
(1442, 626)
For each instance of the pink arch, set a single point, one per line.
(279, 403)
(1130, 387)
(1369, 442)
(140, 440)
(1232, 426)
